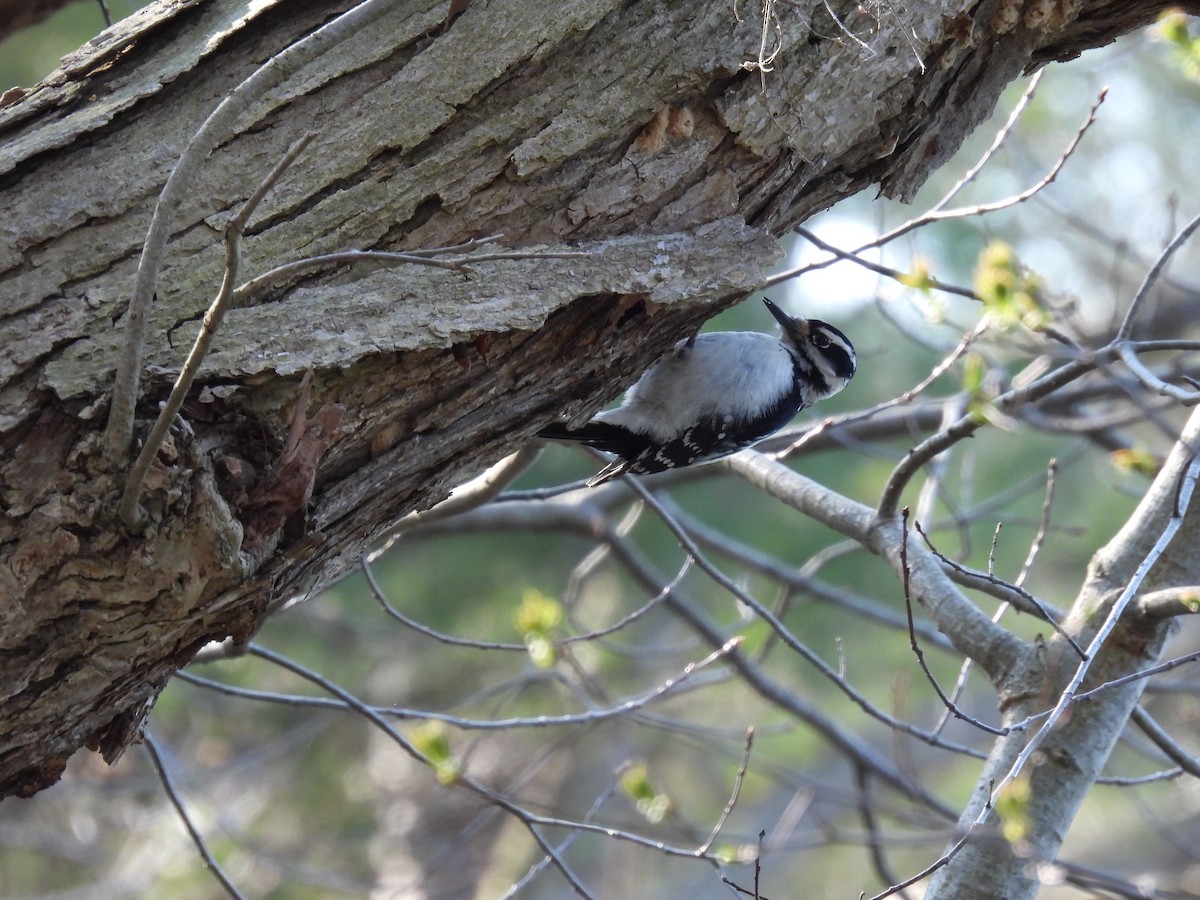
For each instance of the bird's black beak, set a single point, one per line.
(789, 324)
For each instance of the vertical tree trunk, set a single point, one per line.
(1052, 787)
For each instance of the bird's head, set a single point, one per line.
(823, 347)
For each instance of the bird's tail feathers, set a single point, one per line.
(602, 435)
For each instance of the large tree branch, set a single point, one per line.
(1072, 755)
(573, 126)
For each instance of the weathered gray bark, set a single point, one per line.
(535, 119)
(1073, 755)
(1030, 677)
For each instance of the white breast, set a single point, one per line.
(726, 373)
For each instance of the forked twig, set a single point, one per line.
(215, 314)
(119, 430)
(1189, 473)
(1019, 596)
(879, 269)
(958, 213)
(1001, 136)
(916, 647)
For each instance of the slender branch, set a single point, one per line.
(1188, 475)
(129, 511)
(1004, 591)
(527, 819)
(939, 215)
(1043, 526)
(879, 269)
(703, 849)
(1126, 329)
(160, 769)
(985, 208)
(623, 709)
(1139, 675)
(938, 863)
(1001, 136)
(472, 494)
(1167, 744)
(1152, 381)
(538, 867)
(1139, 780)
(378, 593)
(216, 128)
(916, 647)
(874, 842)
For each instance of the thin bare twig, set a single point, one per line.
(378, 593)
(703, 849)
(566, 843)
(530, 821)
(755, 894)
(1140, 674)
(234, 228)
(1188, 475)
(985, 208)
(1152, 381)
(874, 842)
(1043, 526)
(959, 213)
(997, 142)
(1126, 329)
(119, 430)
(916, 647)
(938, 863)
(619, 710)
(1139, 780)
(1167, 744)
(168, 784)
(878, 268)
(1020, 598)
(481, 489)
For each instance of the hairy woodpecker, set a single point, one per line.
(715, 394)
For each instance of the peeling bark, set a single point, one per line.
(534, 119)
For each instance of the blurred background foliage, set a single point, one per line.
(29, 55)
(303, 802)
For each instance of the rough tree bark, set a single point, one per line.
(1072, 757)
(631, 131)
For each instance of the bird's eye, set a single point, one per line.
(821, 340)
